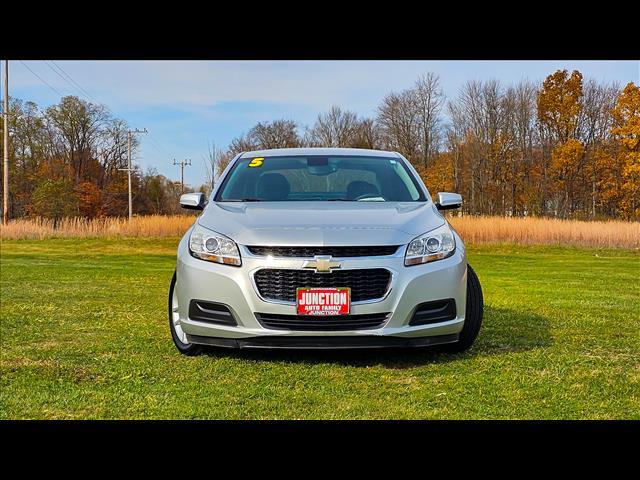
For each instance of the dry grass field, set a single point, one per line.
(147, 226)
(475, 230)
(548, 231)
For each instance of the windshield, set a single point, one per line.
(320, 177)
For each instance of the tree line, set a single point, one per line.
(68, 160)
(568, 147)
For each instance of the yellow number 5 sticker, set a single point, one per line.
(256, 162)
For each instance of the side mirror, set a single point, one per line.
(193, 201)
(447, 201)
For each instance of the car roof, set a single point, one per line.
(284, 152)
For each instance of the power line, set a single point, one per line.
(83, 92)
(155, 143)
(41, 79)
(56, 72)
(74, 82)
(79, 90)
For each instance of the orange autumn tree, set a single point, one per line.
(439, 176)
(89, 198)
(626, 129)
(559, 104)
(610, 180)
(565, 165)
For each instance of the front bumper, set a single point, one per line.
(234, 287)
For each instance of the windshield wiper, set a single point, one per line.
(367, 199)
(243, 200)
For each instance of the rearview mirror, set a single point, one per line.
(447, 201)
(193, 201)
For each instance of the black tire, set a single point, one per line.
(188, 349)
(473, 315)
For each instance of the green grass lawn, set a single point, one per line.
(84, 334)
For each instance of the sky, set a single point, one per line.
(187, 105)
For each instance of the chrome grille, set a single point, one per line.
(281, 284)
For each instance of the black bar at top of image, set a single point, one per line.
(445, 32)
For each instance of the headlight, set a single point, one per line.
(435, 245)
(213, 247)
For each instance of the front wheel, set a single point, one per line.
(473, 315)
(177, 334)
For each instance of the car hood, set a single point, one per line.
(321, 223)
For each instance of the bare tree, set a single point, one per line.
(113, 148)
(480, 115)
(410, 120)
(399, 123)
(336, 128)
(215, 162)
(78, 125)
(367, 134)
(469, 107)
(222, 161)
(276, 134)
(594, 125)
(243, 143)
(210, 161)
(428, 101)
(455, 135)
(523, 131)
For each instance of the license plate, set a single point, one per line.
(323, 301)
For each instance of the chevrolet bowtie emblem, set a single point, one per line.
(322, 264)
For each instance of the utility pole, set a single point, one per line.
(5, 176)
(182, 164)
(130, 134)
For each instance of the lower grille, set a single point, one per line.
(281, 284)
(321, 323)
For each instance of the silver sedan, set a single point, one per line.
(322, 248)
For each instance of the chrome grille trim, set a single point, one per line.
(335, 251)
